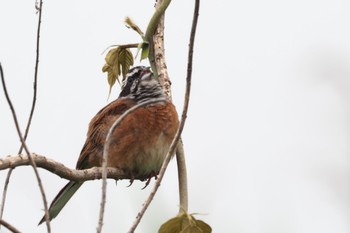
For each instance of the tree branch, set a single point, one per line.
(9, 226)
(160, 62)
(38, 6)
(25, 147)
(59, 169)
(156, 19)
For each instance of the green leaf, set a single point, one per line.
(111, 81)
(118, 61)
(203, 226)
(185, 223)
(171, 226)
(144, 47)
(145, 50)
(105, 68)
(126, 60)
(191, 229)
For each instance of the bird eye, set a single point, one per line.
(130, 80)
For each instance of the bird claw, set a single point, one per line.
(149, 179)
(147, 183)
(131, 180)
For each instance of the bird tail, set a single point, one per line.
(61, 199)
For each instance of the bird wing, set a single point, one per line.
(91, 153)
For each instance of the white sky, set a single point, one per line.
(267, 136)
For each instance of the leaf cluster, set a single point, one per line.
(120, 59)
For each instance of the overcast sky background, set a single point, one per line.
(267, 135)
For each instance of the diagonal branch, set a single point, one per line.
(39, 10)
(25, 146)
(9, 226)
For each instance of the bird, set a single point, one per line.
(140, 142)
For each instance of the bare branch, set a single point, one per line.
(4, 192)
(159, 54)
(9, 226)
(38, 6)
(176, 139)
(59, 169)
(25, 146)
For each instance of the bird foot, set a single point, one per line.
(132, 178)
(147, 182)
(153, 174)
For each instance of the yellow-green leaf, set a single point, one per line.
(145, 50)
(105, 68)
(203, 226)
(111, 81)
(191, 229)
(112, 56)
(184, 223)
(144, 47)
(126, 60)
(118, 60)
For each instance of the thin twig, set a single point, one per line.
(38, 7)
(180, 154)
(106, 151)
(4, 192)
(175, 141)
(35, 83)
(25, 146)
(9, 226)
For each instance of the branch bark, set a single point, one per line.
(32, 163)
(38, 6)
(59, 169)
(9, 226)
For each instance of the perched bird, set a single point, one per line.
(138, 145)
